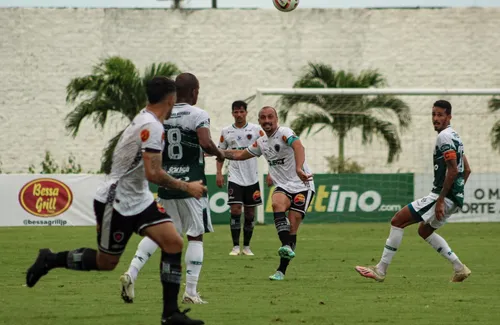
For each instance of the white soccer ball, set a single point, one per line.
(286, 5)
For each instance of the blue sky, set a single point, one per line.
(249, 3)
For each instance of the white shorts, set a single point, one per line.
(190, 216)
(424, 208)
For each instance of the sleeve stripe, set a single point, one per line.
(253, 153)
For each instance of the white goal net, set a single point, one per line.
(364, 118)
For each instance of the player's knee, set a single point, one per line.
(278, 206)
(398, 220)
(107, 262)
(171, 244)
(425, 231)
(235, 209)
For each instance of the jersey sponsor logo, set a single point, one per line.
(276, 162)
(284, 138)
(172, 170)
(144, 135)
(45, 197)
(299, 199)
(160, 207)
(256, 195)
(261, 133)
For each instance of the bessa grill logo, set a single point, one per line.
(45, 197)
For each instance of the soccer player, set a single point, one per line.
(187, 136)
(242, 178)
(451, 171)
(124, 205)
(294, 190)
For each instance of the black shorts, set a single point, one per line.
(299, 201)
(114, 230)
(247, 195)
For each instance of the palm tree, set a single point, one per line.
(494, 106)
(343, 113)
(115, 85)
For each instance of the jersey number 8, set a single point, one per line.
(174, 149)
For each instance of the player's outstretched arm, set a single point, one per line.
(467, 169)
(206, 143)
(237, 154)
(157, 175)
(300, 157)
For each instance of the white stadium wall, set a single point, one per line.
(233, 52)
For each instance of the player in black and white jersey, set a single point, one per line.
(124, 205)
(242, 178)
(187, 138)
(290, 173)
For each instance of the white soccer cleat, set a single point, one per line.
(246, 251)
(187, 299)
(461, 275)
(235, 251)
(127, 288)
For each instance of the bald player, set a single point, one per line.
(289, 171)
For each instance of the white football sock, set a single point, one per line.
(144, 251)
(442, 247)
(194, 261)
(391, 246)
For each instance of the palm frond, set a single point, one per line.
(97, 109)
(494, 104)
(393, 104)
(374, 126)
(495, 136)
(306, 121)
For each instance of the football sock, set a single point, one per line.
(235, 228)
(194, 262)
(170, 275)
(441, 246)
(81, 259)
(145, 250)
(391, 246)
(248, 230)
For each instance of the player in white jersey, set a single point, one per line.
(187, 136)
(242, 178)
(451, 171)
(124, 205)
(290, 173)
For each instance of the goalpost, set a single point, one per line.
(472, 119)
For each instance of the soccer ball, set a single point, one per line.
(286, 5)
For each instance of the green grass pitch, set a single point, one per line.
(321, 286)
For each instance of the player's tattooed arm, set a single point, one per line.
(157, 175)
(467, 169)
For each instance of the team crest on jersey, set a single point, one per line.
(249, 137)
(230, 192)
(256, 195)
(144, 135)
(277, 147)
(299, 199)
(118, 236)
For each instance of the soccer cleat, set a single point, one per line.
(461, 275)
(187, 299)
(128, 293)
(180, 318)
(370, 272)
(277, 276)
(246, 251)
(39, 268)
(286, 252)
(235, 251)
